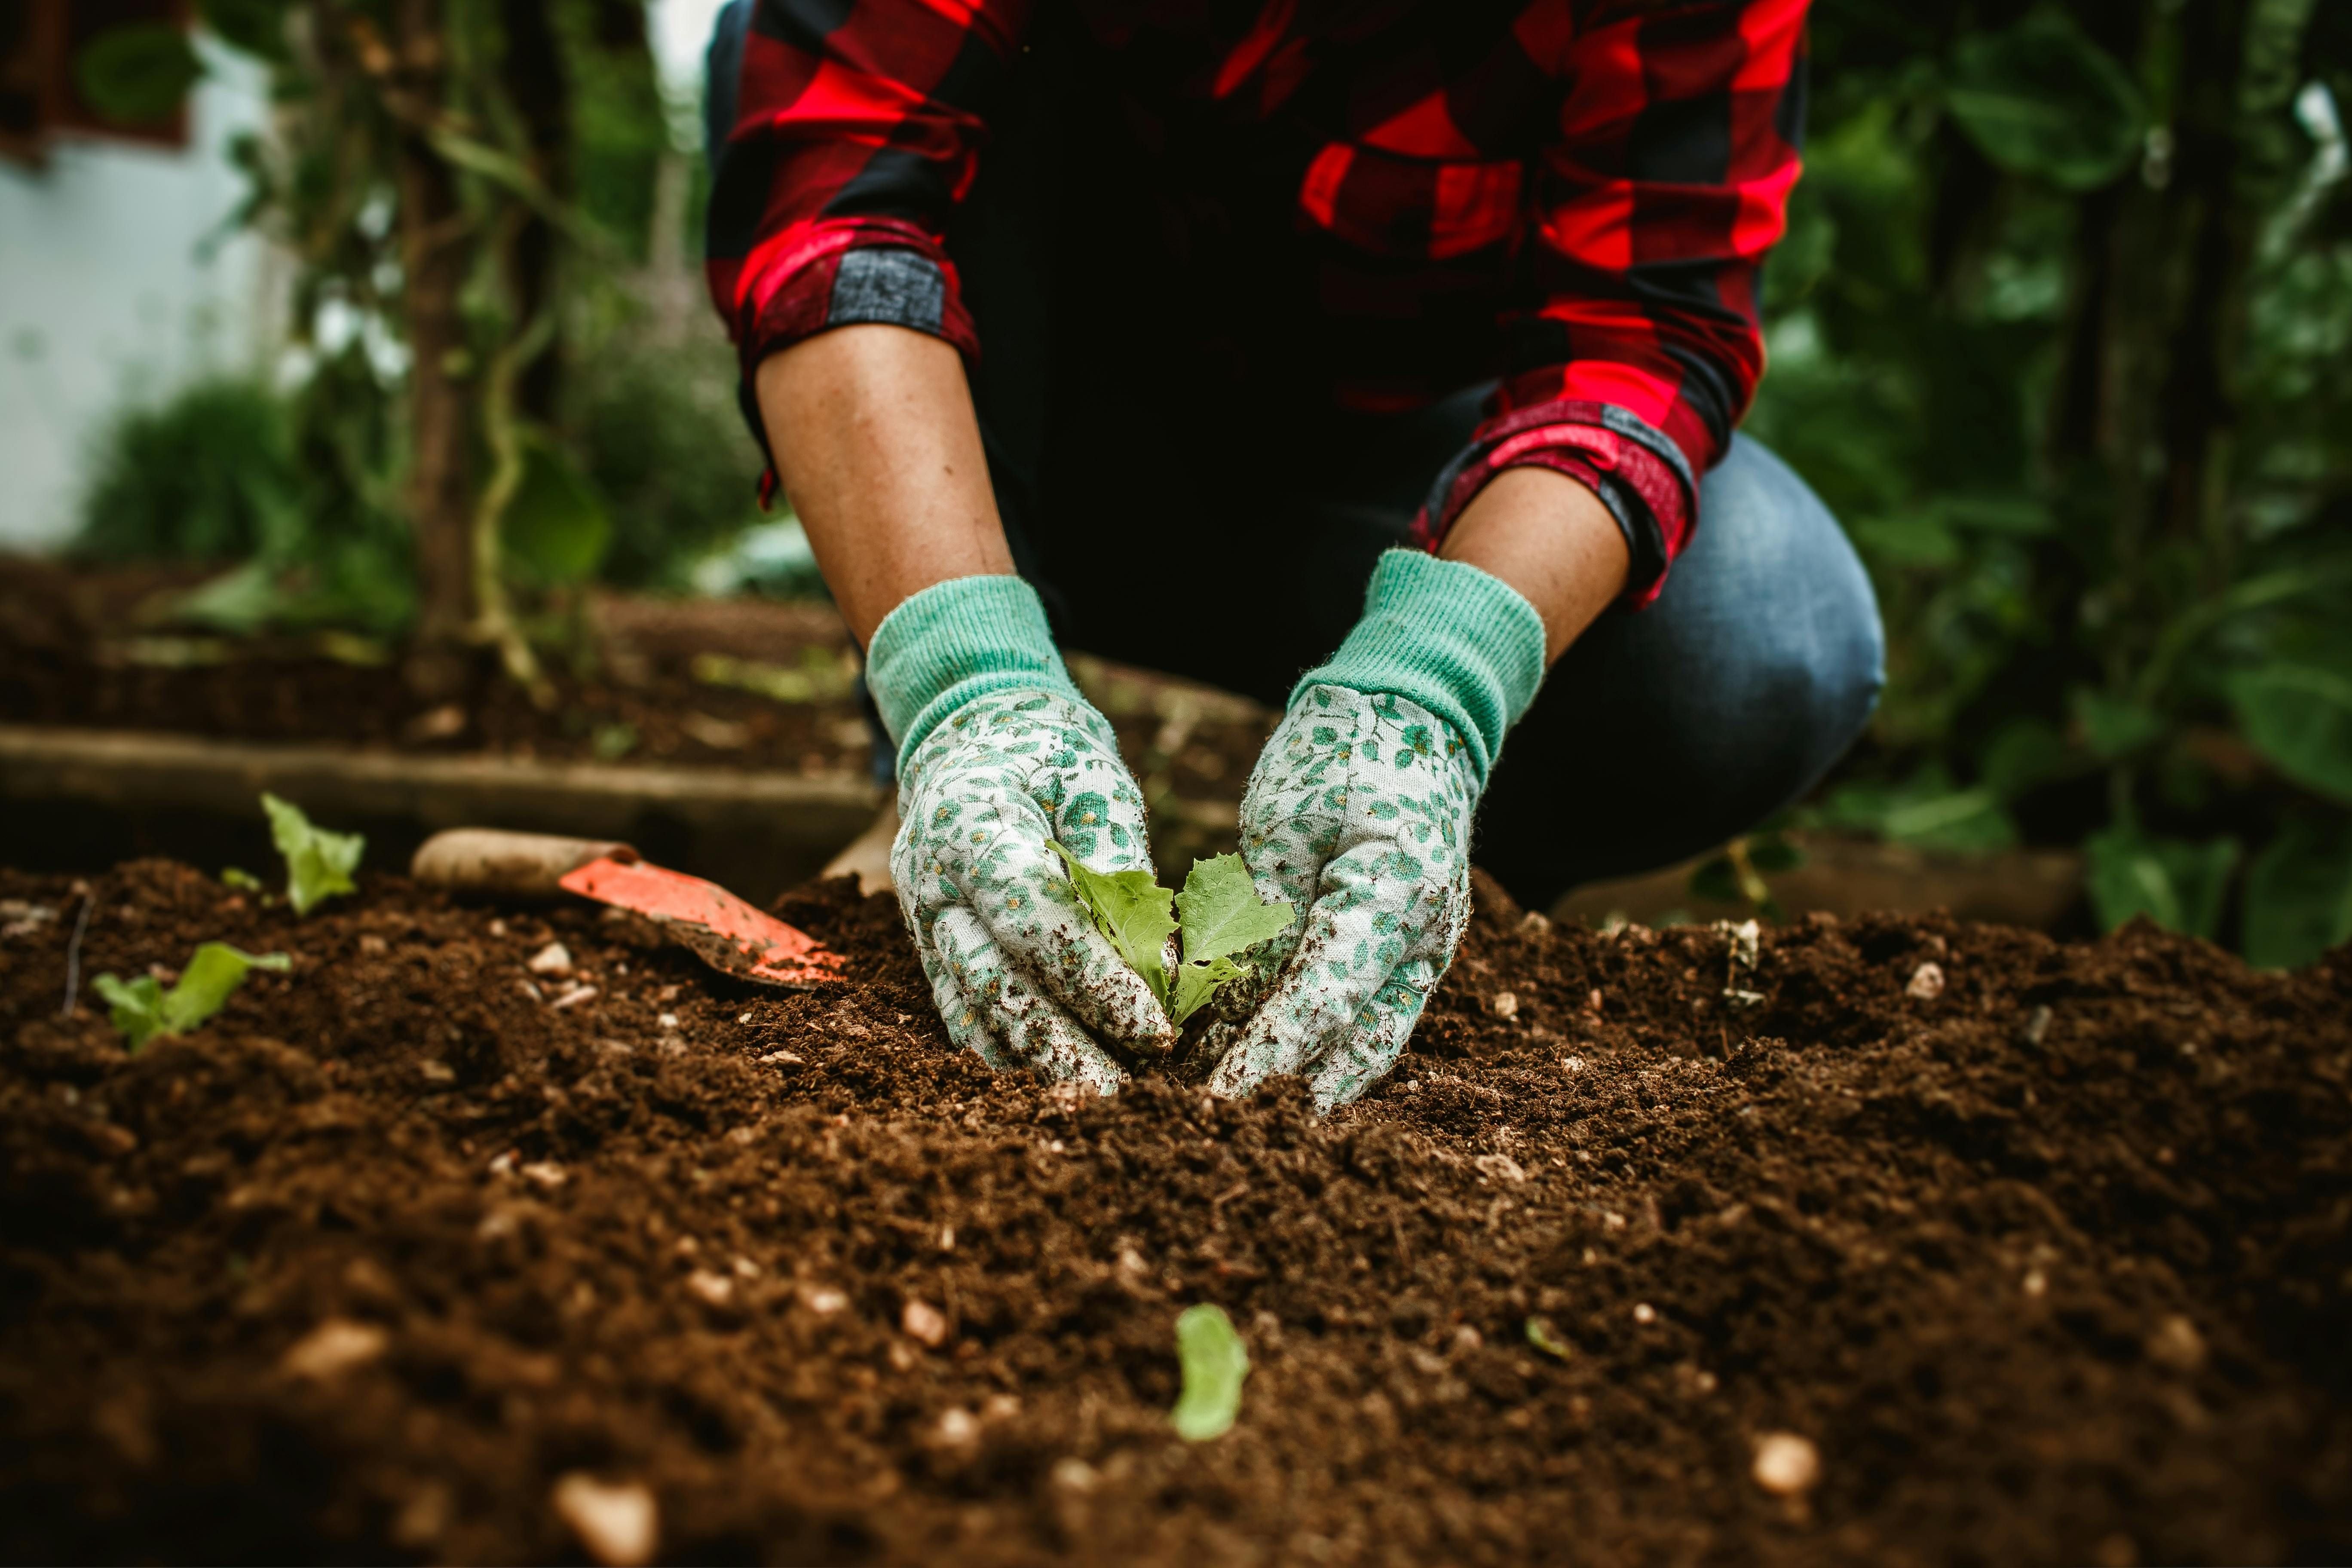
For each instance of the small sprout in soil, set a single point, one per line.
(1219, 914)
(319, 864)
(141, 1009)
(1215, 1365)
(1541, 1335)
(239, 880)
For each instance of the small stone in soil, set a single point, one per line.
(573, 997)
(924, 1323)
(1786, 1465)
(1927, 983)
(2177, 1343)
(553, 960)
(333, 1348)
(958, 1428)
(619, 1525)
(1506, 1004)
(825, 1300)
(716, 1288)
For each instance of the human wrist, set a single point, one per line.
(953, 642)
(1447, 635)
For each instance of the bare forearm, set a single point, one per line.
(878, 449)
(1553, 539)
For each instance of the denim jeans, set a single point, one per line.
(1187, 500)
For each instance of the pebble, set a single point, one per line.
(825, 1300)
(333, 1348)
(573, 997)
(2177, 1343)
(1927, 983)
(619, 1525)
(958, 1428)
(716, 1288)
(1506, 1004)
(1644, 1313)
(1786, 1465)
(545, 1174)
(924, 1323)
(554, 959)
(1075, 1475)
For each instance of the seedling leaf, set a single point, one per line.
(1220, 911)
(319, 864)
(1132, 911)
(1196, 983)
(1215, 1365)
(1539, 1334)
(243, 880)
(1221, 915)
(141, 1009)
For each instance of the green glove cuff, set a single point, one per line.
(1461, 643)
(954, 641)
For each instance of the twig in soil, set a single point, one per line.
(73, 956)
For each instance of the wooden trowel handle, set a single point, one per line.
(520, 865)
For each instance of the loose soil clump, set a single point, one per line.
(1909, 1242)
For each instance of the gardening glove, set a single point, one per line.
(999, 758)
(1358, 811)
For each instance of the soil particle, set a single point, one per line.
(390, 1261)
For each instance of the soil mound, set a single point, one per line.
(1981, 1248)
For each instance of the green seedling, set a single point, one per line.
(1540, 1335)
(1216, 1365)
(319, 864)
(1219, 914)
(241, 880)
(141, 1009)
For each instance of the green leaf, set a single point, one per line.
(555, 531)
(2299, 716)
(243, 880)
(1220, 915)
(1132, 911)
(1221, 910)
(1215, 1364)
(2114, 727)
(143, 1009)
(135, 1009)
(1540, 1335)
(319, 864)
(137, 73)
(2299, 892)
(1196, 983)
(2041, 99)
(2179, 884)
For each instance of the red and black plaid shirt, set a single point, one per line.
(1601, 178)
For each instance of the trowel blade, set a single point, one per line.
(723, 930)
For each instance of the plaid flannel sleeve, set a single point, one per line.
(1668, 181)
(857, 128)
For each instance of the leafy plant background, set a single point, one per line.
(2059, 331)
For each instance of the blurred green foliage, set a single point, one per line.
(2059, 329)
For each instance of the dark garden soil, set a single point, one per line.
(743, 683)
(2051, 1266)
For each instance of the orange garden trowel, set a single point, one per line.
(720, 929)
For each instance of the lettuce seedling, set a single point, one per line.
(1218, 913)
(1215, 1363)
(143, 1009)
(319, 864)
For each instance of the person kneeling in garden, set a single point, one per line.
(1168, 328)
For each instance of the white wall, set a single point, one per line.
(109, 291)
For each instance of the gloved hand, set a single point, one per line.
(999, 754)
(1360, 812)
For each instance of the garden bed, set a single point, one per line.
(2042, 1248)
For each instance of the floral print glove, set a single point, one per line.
(1000, 758)
(1017, 968)
(1359, 811)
